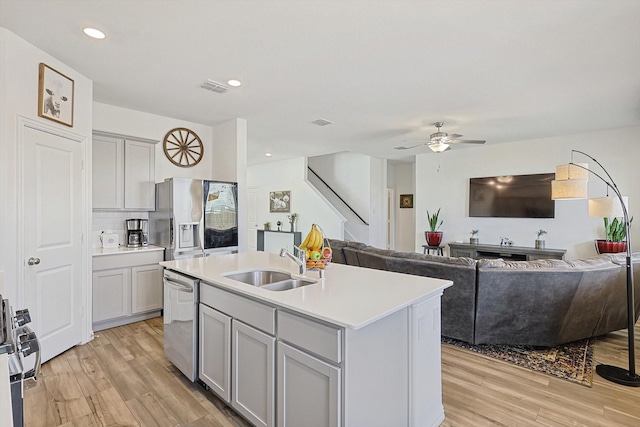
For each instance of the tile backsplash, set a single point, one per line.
(112, 222)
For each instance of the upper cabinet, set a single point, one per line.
(123, 173)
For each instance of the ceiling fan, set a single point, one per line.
(441, 141)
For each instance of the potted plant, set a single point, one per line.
(474, 240)
(540, 240)
(433, 236)
(616, 234)
(267, 225)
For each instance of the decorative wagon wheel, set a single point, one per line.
(183, 147)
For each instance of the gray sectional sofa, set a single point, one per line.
(493, 301)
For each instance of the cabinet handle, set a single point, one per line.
(33, 261)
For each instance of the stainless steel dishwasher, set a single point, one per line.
(181, 322)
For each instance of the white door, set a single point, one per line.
(252, 217)
(391, 219)
(53, 214)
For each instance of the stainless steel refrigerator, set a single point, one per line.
(194, 218)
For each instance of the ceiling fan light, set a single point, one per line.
(438, 147)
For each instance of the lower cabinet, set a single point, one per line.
(215, 351)
(253, 381)
(146, 294)
(308, 390)
(124, 291)
(230, 349)
(111, 294)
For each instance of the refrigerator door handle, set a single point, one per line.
(171, 233)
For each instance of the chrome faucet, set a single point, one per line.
(301, 259)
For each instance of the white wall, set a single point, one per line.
(442, 181)
(378, 203)
(311, 208)
(230, 164)
(349, 175)
(19, 64)
(123, 121)
(402, 180)
(362, 182)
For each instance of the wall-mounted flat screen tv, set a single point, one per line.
(512, 196)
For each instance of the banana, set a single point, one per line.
(306, 241)
(314, 238)
(317, 239)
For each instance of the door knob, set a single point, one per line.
(33, 261)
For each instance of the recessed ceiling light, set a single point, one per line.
(92, 32)
(234, 83)
(267, 154)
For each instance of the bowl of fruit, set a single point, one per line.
(317, 248)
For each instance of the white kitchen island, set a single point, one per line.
(359, 347)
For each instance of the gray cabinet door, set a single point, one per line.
(146, 288)
(253, 382)
(308, 390)
(139, 176)
(215, 350)
(108, 173)
(111, 294)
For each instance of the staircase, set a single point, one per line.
(355, 227)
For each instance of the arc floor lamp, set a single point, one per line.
(571, 183)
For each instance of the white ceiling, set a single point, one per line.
(382, 71)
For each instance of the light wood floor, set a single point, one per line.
(122, 378)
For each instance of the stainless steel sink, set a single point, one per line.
(269, 279)
(288, 284)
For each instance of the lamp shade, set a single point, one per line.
(439, 147)
(572, 171)
(608, 207)
(569, 189)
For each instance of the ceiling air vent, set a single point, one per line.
(322, 122)
(214, 86)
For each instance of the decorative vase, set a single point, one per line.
(433, 237)
(474, 240)
(609, 247)
(539, 244)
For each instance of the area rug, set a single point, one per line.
(572, 361)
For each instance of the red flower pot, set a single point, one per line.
(433, 237)
(608, 247)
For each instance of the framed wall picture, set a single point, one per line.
(55, 96)
(280, 201)
(406, 200)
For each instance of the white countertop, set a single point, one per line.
(124, 250)
(348, 296)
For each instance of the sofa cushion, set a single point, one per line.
(588, 263)
(336, 249)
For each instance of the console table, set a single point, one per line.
(272, 240)
(513, 253)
